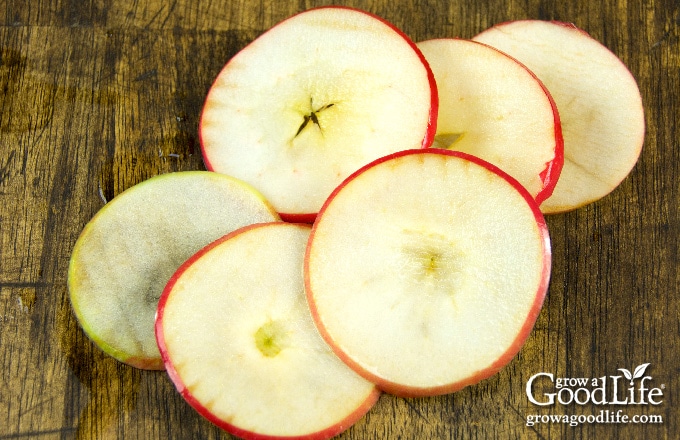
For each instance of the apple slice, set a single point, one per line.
(130, 248)
(493, 107)
(240, 345)
(598, 100)
(313, 99)
(426, 270)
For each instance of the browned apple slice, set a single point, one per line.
(130, 248)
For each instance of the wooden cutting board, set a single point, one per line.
(95, 98)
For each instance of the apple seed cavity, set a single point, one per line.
(312, 116)
(432, 260)
(270, 338)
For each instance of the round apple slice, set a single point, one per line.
(130, 248)
(598, 100)
(240, 345)
(426, 270)
(313, 99)
(493, 107)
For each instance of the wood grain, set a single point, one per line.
(96, 97)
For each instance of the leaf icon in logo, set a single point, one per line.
(627, 374)
(637, 373)
(640, 370)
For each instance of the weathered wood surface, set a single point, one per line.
(97, 96)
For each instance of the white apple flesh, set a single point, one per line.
(493, 107)
(313, 99)
(426, 270)
(240, 345)
(598, 100)
(127, 252)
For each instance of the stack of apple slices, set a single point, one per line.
(598, 100)
(294, 114)
(425, 171)
(495, 108)
(274, 332)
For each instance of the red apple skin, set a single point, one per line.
(298, 218)
(430, 131)
(406, 391)
(320, 435)
(572, 27)
(557, 22)
(551, 174)
(205, 412)
(431, 128)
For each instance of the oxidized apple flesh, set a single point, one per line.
(131, 247)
